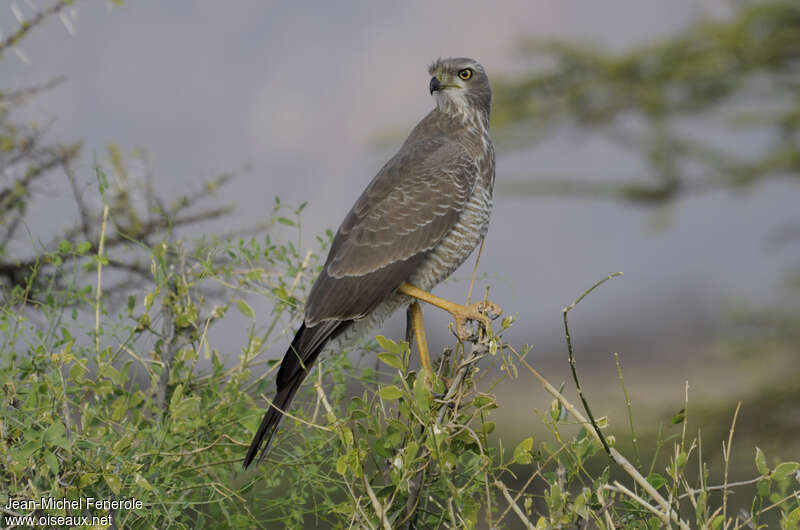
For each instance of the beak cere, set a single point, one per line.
(435, 85)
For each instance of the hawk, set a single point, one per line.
(419, 219)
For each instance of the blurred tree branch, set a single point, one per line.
(27, 25)
(747, 66)
(29, 167)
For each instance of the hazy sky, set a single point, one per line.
(299, 92)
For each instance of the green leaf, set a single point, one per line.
(245, 309)
(681, 461)
(484, 401)
(391, 359)
(84, 247)
(410, 453)
(391, 346)
(149, 298)
(656, 480)
(136, 398)
(557, 411)
(793, 518)
(255, 274)
(119, 408)
(142, 482)
(382, 449)
(522, 453)
(52, 462)
(761, 462)
(395, 434)
(285, 221)
(86, 479)
(64, 246)
(390, 392)
(700, 510)
(763, 487)
(76, 372)
(28, 449)
(554, 499)
(186, 409)
(113, 482)
(113, 374)
(584, 448)
(341, 464)
(53, 433)
(422, 392)
(679, 417)
(346, 435)
(716, 522)
(784, 469)
(177, 395)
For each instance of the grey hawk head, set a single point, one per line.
(460, 84)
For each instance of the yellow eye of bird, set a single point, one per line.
(465, 74)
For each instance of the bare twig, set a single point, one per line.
(601, 500)
(641, 502)
(564, 313)
(380, 510)
(726, 449)
(295, 418)
(83, 210)
(720, 487)
(51, 158)
(634, 440)
(28, 25)
(18, 96)
(99, 291)
(512, 503)
(357, 502)
(321, 396)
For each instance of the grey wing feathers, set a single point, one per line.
(410, 205)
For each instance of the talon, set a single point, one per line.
(483, 312)
(463, 333)
(489, 309)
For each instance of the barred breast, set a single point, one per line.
(451, 252)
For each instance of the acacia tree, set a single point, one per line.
(741, 73)
(139, 214)
(676, 106)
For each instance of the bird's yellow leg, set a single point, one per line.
(482, 311)
(415, 313)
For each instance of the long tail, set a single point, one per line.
(307, 344)
(271, 420)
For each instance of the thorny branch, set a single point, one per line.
(27, 25)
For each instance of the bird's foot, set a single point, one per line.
(483, 312)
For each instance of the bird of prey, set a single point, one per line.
(419, 219)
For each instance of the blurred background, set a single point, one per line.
(657, 139)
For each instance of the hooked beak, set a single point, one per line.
(435, 85)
